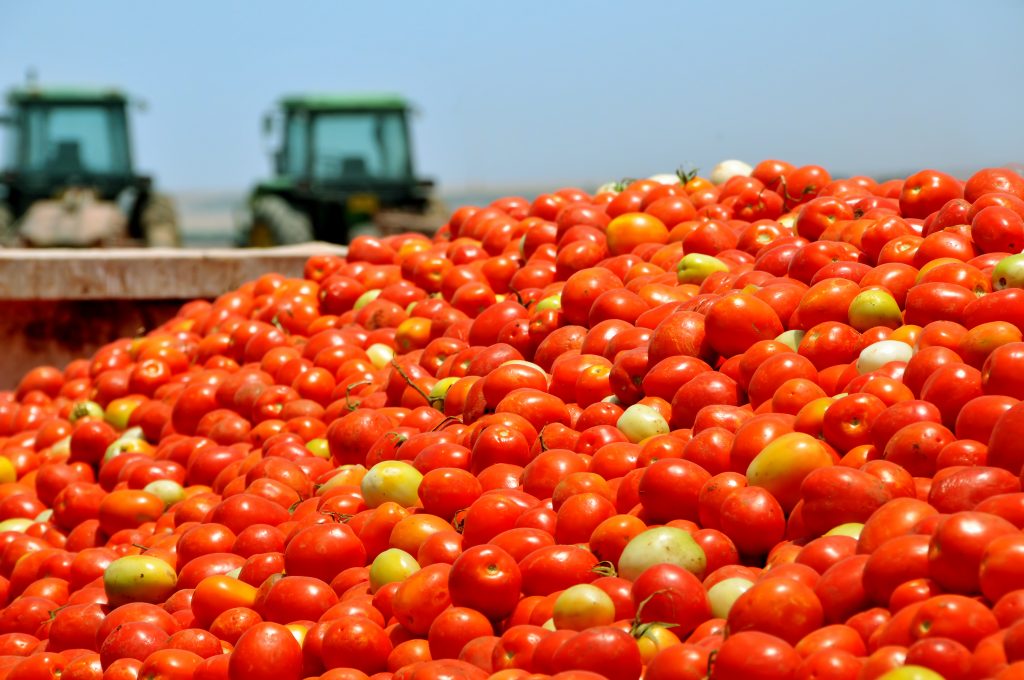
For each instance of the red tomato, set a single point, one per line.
(957, 547)
(754, 654)
(777, 606)
(356, 642)
(894, 562)
(486, 579)
(737, 321)
(673, 595)
(454, 628)
(604, 650)
(267, 650)
(753, 520)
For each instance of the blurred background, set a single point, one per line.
(517, 98)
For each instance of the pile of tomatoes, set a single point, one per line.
(764, 428)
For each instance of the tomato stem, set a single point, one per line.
(623, 183)
(711, 661)
(409, 382)
(519, 297)
(448, 420)
(348, 393)
(638, 627)
(685, 174)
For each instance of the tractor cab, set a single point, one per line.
(68, 178)
(345, 141)
(340, 160)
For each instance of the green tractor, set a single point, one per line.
(67, 179)
(343, 166)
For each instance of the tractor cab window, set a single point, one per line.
(76, 140)
(12, 144)
(356, 146)
(295, 158)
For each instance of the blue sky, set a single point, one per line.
(543, 93)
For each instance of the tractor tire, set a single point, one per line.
(8, 234)
(160, 223)
(276, 223)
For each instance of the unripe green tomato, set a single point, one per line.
(138, 578)
(661, 545)
(390, 566)
(167, 490)
(639, 421)
(392, 480)
(583, 606)
(723, 594)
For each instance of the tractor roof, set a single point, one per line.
(346, 101)
(66, 95)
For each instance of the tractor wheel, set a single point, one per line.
(8, 236)
(276, 223)
(160, 223)
(437, 209)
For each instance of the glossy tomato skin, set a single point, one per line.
(945, 656)
(486, 579)
(998, 575)
(550, 569)
(1002, 451)
(840, 589)
(304, 554)
(267, 650)
(356, 642)
(295, 598)
(673, 595)
(454, 628)
(75, 627)
(953, 616)
(516, 647)
(687, 661)
(894, 562)
(737, 321)
(964, 489)
(753, 519)
(754, 654)
(605, 650)
(993, 180)
(703, 390)
(135, 640)
(794, 612)
(825, 509)
(670, 489)
(957, 547)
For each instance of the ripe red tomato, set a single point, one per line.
(753, 519)
(737, 321)
(991, 180)
(454, 628)
(486, 579)
(925, 192)
(323, 551)
(267, 650)
(605, 650)
(671, 594)
(553, 568)
(777, 606)
(670, 489)
(755, 654)
(957, 546)
(356, 642)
